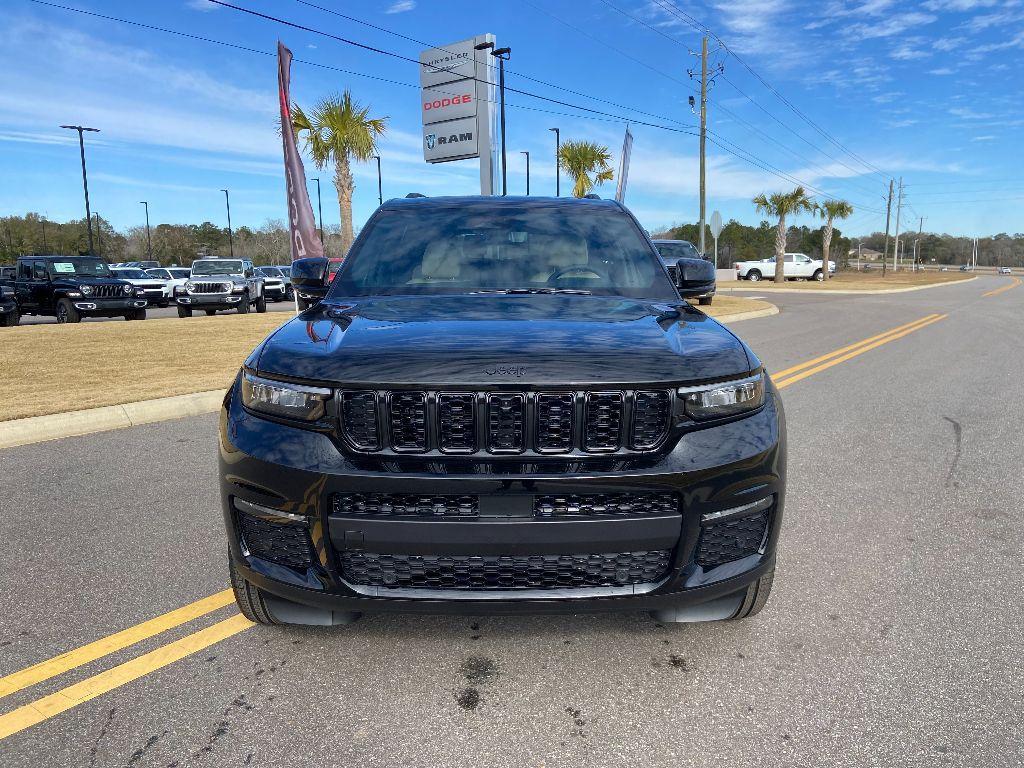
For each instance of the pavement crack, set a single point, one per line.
(958, 439)
(102, 735)
(138, 754)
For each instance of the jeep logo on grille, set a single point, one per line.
(506, 370)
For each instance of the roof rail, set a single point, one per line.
(414, 194)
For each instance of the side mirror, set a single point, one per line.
(309, 276)
(695, 277)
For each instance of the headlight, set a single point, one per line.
(140, 291)
(86, 290)
(279, 398)
(190, 286)
(128, 290)
(716, 401)
(234, 288)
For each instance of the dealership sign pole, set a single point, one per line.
(627, 150)
(457, 106)
(716, 230)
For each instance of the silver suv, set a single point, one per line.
(217, 284)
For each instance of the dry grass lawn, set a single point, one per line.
(858, 281)
(730, 305)
(56, 368)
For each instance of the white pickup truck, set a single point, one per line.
(797, 266)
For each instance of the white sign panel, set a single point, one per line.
(447, 64)
(453, 140)
(716, 224)
(448, 102)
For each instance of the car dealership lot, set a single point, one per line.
(892, 635)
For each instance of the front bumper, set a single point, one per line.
(108, 307)
(294, 474)
(210, 300)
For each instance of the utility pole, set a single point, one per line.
(527, 172)
(899, 207)
(703, 134)
(888, 212)
(917, 256)
(380, 183)
(99, 233)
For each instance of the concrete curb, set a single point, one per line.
(37, 429)
(735, 317)
(770, 290)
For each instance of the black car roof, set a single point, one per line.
(495, 201)
(53, 258)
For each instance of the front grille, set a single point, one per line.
(728, 539)
(605, 504)
(505, 422)
(404, 505)
(283, 543)
(108, 292)
(499, 572)
(211, 288)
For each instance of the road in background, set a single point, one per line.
(892, 637)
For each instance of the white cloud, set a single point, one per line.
(965, 113)
(941, 71)
(401, 6)
(896, 24)
(202, 5)
(958, 5)
(983, 138)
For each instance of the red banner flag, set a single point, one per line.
(301, 224)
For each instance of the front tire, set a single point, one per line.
(66, 312)
(249, 597)
(11, 320)
(261, 304)
(755, 597)
(184, 311)
(210, 312)
(753, 276)
(243, 305)
(138, 314)
(704, 300)
(818, 275)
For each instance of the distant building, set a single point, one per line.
(866, 254)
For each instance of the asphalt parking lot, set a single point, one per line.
(893, 635)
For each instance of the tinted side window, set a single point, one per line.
(25, 270)
(39, 270)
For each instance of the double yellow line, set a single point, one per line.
(46, 707)
(53, 704)
(1015, 282)
(798, 372)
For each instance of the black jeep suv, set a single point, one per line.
(502, 405)
(72, 287)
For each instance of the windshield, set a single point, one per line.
(133, 274)
(519, 248)
(79, 266)
(178, 274)
(218, 267)
(680, 250)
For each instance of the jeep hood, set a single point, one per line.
(487, 341)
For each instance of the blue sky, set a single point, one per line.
(930, 90)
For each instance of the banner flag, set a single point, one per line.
(627, 149)
(301, 224)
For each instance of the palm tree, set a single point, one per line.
(580, 159)
(782, 204)
(830, 210)
(339, 130)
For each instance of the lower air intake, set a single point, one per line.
(466, 572)
(282, 543)
(728, 539)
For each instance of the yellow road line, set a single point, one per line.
(997, 291)
(859, 351)
(835, 353)
(48, 706)
(44, 670)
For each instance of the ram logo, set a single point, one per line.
(431, 139)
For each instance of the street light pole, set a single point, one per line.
(502, 55)
(558, 165)
(527, 172)
(149, 243)
(380, 186)
(85, 178)
(319, 210)
(231, 242)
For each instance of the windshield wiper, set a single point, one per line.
(545, 291)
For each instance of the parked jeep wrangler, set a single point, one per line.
(72, 287)
(222, 284)
(502, 405)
